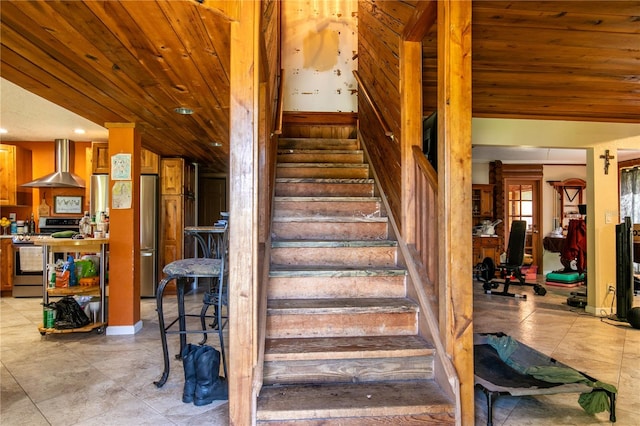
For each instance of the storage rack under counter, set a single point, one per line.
(70, 245)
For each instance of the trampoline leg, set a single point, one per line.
(490, 401)
(612, 412)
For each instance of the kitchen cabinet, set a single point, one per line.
(70, 245)
(101, 162)
(482, 201)
(149, 162)
(177, 210)
(486, 247)
(15, 169)
(6, 266)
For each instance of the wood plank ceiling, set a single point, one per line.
(128, 61)
(558, 60)
(135, 61)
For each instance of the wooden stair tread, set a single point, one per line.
(337, 199)
(345, 347)
(329, 243)
(333, 271)
(324, 165)
(335, 219)
(323, 180)
(339, 305)
(318, 151)
(315, 140)
(370, 399)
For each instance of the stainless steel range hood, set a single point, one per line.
(62, 177)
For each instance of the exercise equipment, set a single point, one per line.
(509, 270)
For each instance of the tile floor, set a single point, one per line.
(92, 379)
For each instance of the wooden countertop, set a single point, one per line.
(70, 244)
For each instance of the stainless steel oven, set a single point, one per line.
(27, 269)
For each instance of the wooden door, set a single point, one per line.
(522, 202)
(212, 199)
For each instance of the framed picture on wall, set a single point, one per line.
(67, 204)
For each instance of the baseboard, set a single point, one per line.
(121, 330)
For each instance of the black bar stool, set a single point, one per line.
(216, 295)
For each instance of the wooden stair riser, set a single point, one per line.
(341, 287)
(329, 230)
(362, 404)
(322, 171)
(324, 156)
(298, 206)
(317, 143)
(341, 324)
(324, 188)
(363, 256)
(348, 370)
(362, 419)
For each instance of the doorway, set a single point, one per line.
(518, 197)
(523, 203)
(212, 198)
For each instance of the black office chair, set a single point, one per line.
(512, 267)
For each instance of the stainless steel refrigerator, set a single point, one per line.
(148, 234)
(99, 201)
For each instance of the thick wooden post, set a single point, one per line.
(454, 193)
(411, 125)
(243, 223)
(124, 236)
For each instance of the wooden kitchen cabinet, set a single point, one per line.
(482, 201)
(15, 169)
(101, 162)
(149, 162)
(6, 266)
(177, 209)
(486, 247)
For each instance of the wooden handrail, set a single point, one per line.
(387, 131)
(279, 107)
(426, 167)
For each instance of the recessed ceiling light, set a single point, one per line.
(215, 144)
(3, 131)
(183, 110)
(78, 131)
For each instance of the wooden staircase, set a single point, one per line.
(342, 342)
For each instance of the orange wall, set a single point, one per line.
(43, 160)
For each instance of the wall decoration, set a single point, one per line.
(121, 167)
(121, 195)
(67, 204)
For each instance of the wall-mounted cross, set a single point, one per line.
(606, 157)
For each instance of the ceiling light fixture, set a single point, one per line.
(79, 131)
(3, 131)
(183, 110)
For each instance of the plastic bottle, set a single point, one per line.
(51, 269)
(85, 224)
(14, 227)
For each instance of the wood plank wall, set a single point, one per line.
(380, 27)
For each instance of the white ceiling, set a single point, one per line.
(28, 117)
